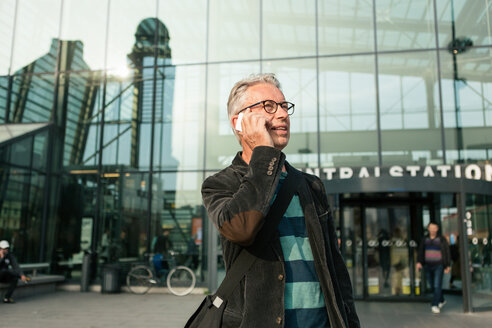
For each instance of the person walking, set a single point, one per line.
(10, 271)
(300, 278)
(434, 257)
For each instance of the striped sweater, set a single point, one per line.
(303, 298)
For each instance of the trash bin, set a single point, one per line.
(110, 282)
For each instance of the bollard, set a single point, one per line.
(86, 272)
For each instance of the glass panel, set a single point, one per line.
(176, 206)
(234, 30)
(409, 108)
(132, 28)
(90, 32)
(21, 212)
(348, 119)
(352, 236)
(186, 21)
(387, 251)
(7, 16)
(40, 151)
(82, 106)
(405, 25)
(471, 21)
(289, 28)
(36, 33)
(450, 229)
(180, 116)
(72, 232)
(124, 218)
(4, 85)
(128, 117)
(221, 144)
(467, 104)
(21, 153)
(345, 26)
(298, 81)
(479, 229)
(32, 98)
(121, 115)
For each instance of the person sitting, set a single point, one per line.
(10, 271)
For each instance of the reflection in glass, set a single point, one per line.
(345, 26)
(21, 212)
(31, 98)
(467, 104)
(7, 16)
(348, 111)
(352, 236)
(118, 112)
(409, 108)
(479, 231)
(82, 109)
(187, 23)
(90, 32)
(4, 84)
(401, 25)
(40, 151)
(180, 113)
(36, 30)
(222, 145)
(22, 181)
(73, 225)
(387, 250)
(298, 81)
(289, 28)
(234, 30)
(176, 206)
(32, 95)
(124, 209)
(124, 18)
(450, 221)
(471, 20)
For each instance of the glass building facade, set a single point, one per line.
(113, 113)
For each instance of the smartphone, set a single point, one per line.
(238, 122)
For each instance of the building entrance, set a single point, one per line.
(379, 242)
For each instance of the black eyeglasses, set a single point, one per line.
(270, 106)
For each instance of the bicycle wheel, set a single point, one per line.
(181, 281)
(139, 279)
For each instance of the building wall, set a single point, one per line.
(138, 109)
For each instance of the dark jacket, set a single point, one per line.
(9, 262)
(237, 200)
(445, 253)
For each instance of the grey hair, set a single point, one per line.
(238, 92)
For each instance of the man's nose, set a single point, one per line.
(281, 112)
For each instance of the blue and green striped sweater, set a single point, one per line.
(304, 302)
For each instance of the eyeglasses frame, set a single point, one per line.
(276, 107)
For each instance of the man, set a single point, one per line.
(161, 249)
(301, 279)
(8, 275)
(434, 257)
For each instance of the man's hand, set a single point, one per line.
(419, 266)
(256, 130)
(23, 278)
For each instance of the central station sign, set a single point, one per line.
(471, 171)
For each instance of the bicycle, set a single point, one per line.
(180, 280)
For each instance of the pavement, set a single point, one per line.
(74, 309)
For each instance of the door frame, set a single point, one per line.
(415, 204)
